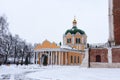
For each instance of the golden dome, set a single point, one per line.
(74, 22)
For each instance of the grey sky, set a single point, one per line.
(37, 20)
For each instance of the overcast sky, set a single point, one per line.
(38, 20)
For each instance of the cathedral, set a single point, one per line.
(71, 52)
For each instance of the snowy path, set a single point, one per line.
(17, 72)
(35, 72)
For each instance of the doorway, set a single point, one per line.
(98, 58)
(44, 60)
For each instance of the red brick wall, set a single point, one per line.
(116, 19)
(115, 55)
(102, 52)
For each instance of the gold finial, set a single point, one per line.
(74, 21)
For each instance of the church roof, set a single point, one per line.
(74, 30)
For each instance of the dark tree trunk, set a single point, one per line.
(26, 60)
(22, 58)
(6, 57)
(29, 58)
(15, 56)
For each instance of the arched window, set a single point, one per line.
(98, 58)
(69, 40)
(71, 59)
(77, 40)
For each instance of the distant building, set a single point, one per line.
(71, 52)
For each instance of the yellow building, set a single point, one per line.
(70, 53)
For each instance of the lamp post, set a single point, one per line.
(89, 57)
(89, 50)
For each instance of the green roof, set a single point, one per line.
(74, 30)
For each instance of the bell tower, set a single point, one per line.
(114, 22)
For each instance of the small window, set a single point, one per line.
(69, 40)
(71, 59)
(77, 40)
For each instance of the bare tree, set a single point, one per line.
(7, 46)
(13, 46)
(4, 36)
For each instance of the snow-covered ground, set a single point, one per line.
(35, 72)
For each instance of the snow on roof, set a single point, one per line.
(66, 47)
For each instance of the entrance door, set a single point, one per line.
(45, 60)
(98, 58)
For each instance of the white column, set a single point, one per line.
(36, 57)
(66, 58)
(59, 57)
(62, 58)
(56, 58)
(48, 58)
(40, 57)
(109, 55)
(51, 57)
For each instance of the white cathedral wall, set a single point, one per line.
(109, 55)
(85, 60)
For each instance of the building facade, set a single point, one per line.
(72, 51)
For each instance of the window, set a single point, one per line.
(77, 40)
(71, 59)
(69, 40)
(74, 59)
(78, 59)
(98, 58)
